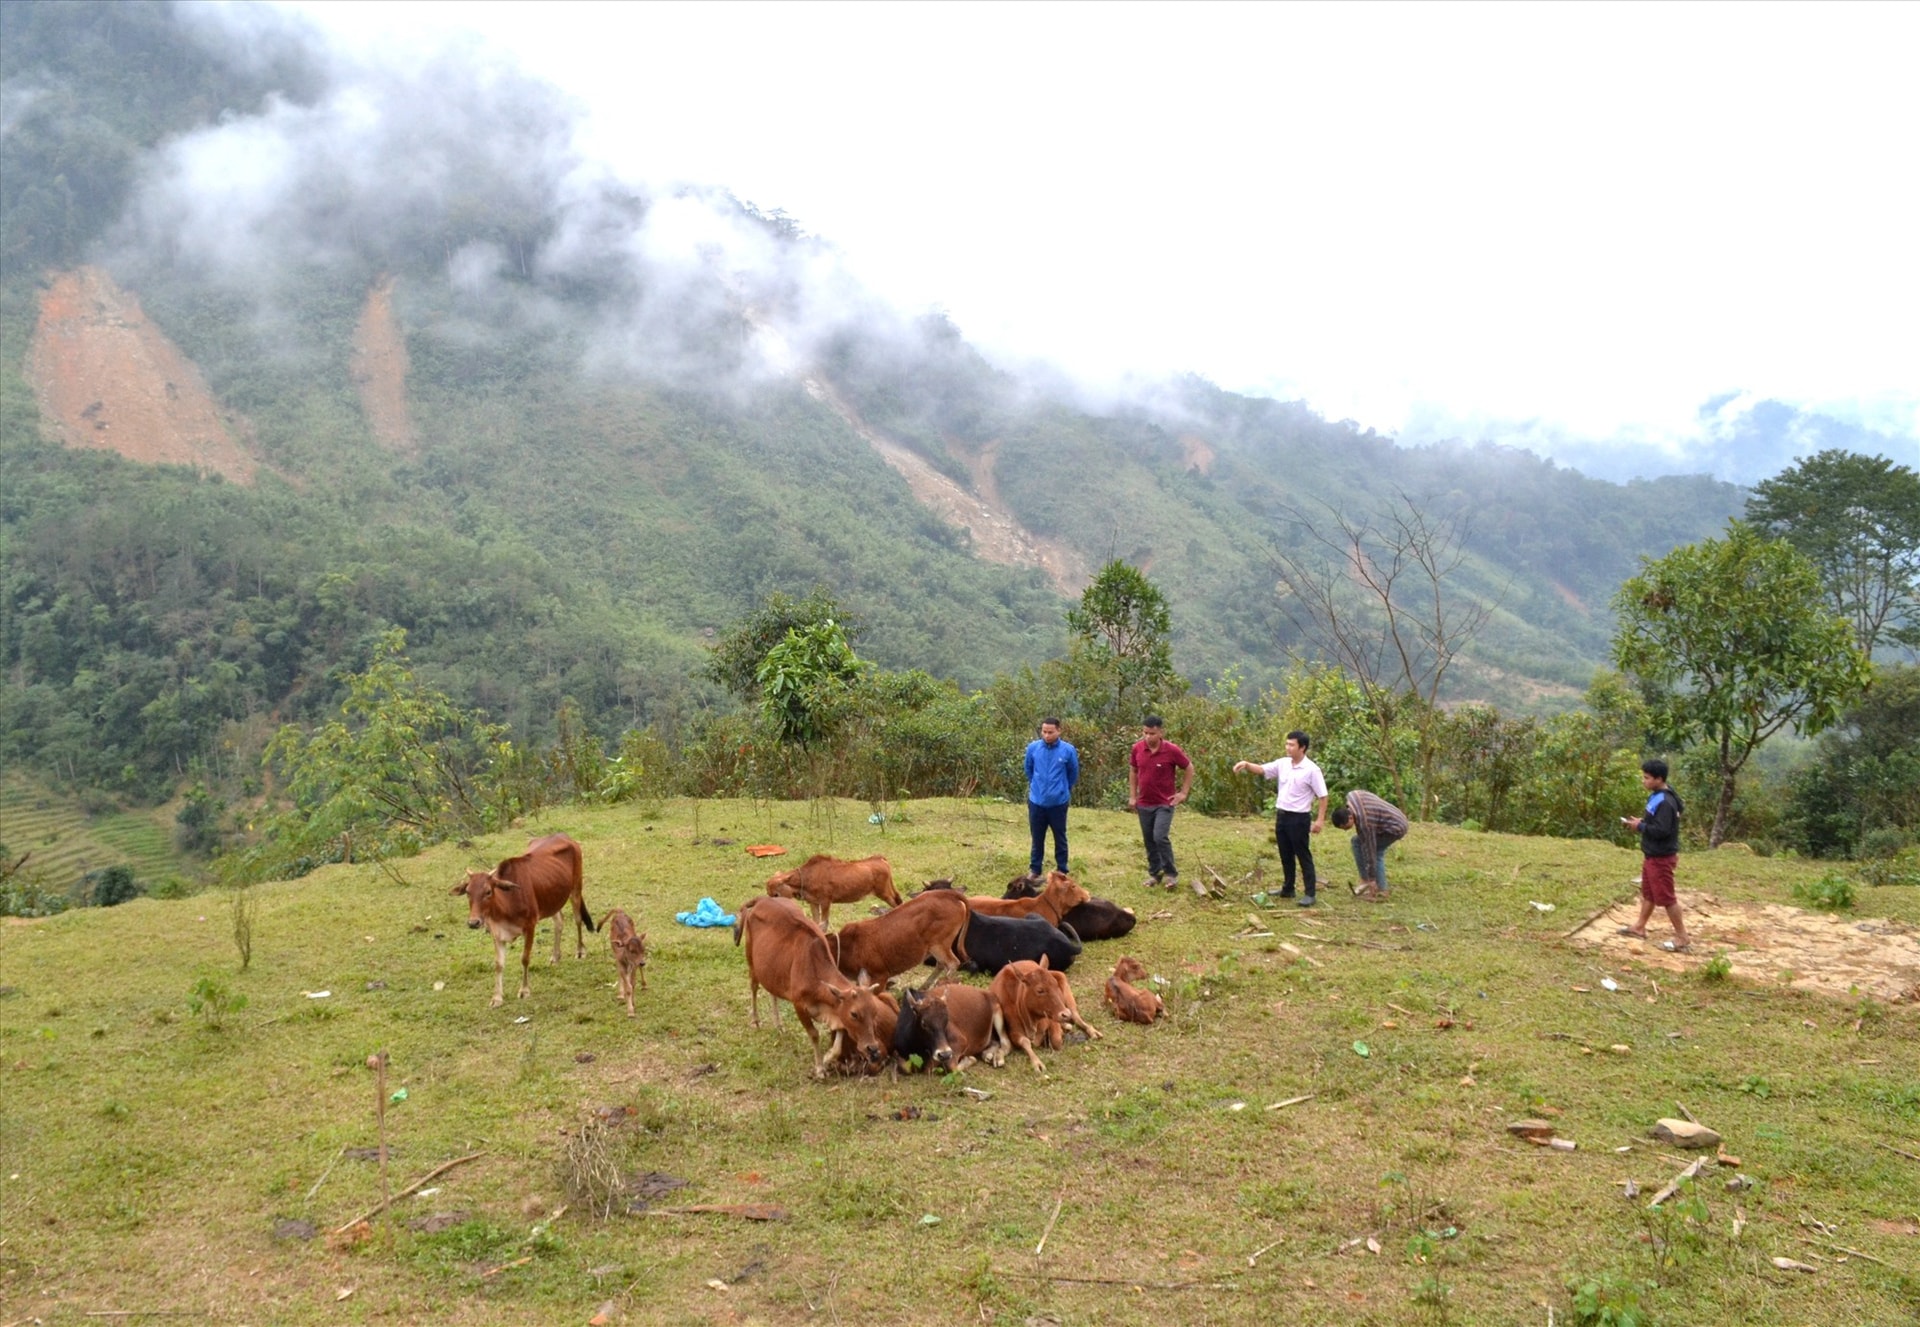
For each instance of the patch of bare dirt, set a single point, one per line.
(1195, 454)
(1571, 599)
(107, 378)
(996, 536)
(379, 371)
(1765, 942)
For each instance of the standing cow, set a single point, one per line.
(822, 881)
(514, 897)
(629, 954)
(787, 954)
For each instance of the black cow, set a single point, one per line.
(994, 942)
(1096, 919)
(949, 1028)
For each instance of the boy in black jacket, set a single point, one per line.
(1660, 846)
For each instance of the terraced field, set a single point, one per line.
(67, 842)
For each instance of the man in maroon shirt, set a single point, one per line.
(1151, 793)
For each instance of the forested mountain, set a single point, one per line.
(293, 350)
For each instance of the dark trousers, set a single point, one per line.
(1039, 820)
(1156, 823)
(1293, 833)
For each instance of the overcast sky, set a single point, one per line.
(1525, 223)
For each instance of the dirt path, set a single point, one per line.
(107, 378)
(1769, 942)
(996, 536)
(379, 371)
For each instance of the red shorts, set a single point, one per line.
(1656, 881)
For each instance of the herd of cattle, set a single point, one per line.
(838, 980)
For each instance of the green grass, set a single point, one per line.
(155, 1153)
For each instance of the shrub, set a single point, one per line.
(1717, 968)
(111, 886)
(1608, 1300)
(1832, 892)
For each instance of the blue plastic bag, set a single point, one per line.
(707, 914)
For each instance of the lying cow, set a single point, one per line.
(930, 927)
(1056, 898)
(787, 954)
(948, 1028)
(1131, 1004)
(1096, 919)
(629, 954)
(513, 898)
(1034, 1003)
(994, 942)
(849, 1066)
(822, 881)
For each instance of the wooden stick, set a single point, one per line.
(1295, 951)
(1282, 1105)
(1685, 1114)
(495, 1271)
(323, 1174)
(1908, 1155)
(1120, 1281)
(135, 1313)
(441, 1169)
(1050, 1220)
(1841, 1248)
(1594, 918)
(380, 1112)
(1673, 1185)
(1254, 1257)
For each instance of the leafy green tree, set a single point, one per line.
(402, 766)
(1732, 640)
(737, 657)
(1858, 518)
(1123, 627)
(805, 683)
(1865, 778)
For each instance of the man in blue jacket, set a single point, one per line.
(1053, 767)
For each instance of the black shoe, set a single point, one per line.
(1287, 892)
(1306, 902)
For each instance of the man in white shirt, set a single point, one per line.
(1299, 807)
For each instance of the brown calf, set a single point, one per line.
(928, 926)
(787, 954)
(823, 881)
(1035, 1002)
(629, 954)
(513, 898)
(1129, 1003)
(1055, 900)
(965, 1016)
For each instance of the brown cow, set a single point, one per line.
(1055, 900)
(1129, 1003)
(513, 898)
(824, 881)
(1096, 919)
(1033, 1001)
(629, 954)
(847, 1066)
(950, 1028)
(927, 926)
(787, 954)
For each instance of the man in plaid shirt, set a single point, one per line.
(1377, 825)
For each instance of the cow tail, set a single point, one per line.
(585, 916)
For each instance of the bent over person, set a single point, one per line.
(1377, 825)
(1302, 789)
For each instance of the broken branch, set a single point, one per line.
(1673, 1185)
(385, 1203)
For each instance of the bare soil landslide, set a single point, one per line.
(107, 378)
(1834, 954)
(996, 536)
(1196, 453)
(379, 371)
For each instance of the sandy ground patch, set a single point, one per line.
(107, 378)
(1835, 954)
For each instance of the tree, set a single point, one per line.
(1731, 640)
(1122, 626)
(1863, 786)
(804, 683)
(737, 657)
(1858, 518)
(1373, 596)
(402, 766)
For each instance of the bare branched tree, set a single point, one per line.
(1371, 595)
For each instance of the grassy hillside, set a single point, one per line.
(67, 842)
(164, 1164)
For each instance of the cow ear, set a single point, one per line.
(863, 979)
(643, 937)
(460, 888)
(503, 884)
